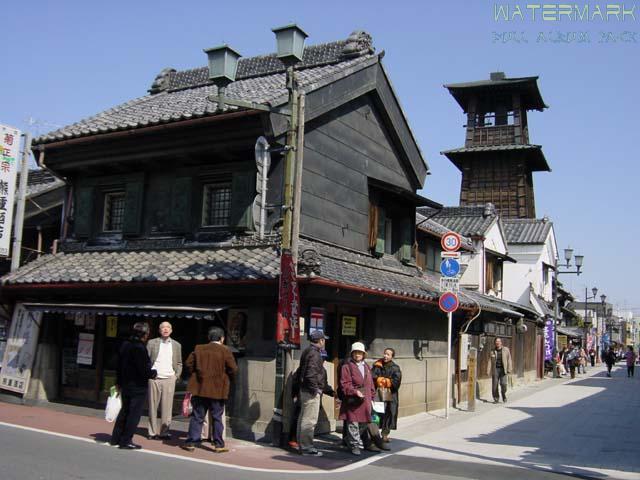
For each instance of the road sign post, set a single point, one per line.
(449, 302)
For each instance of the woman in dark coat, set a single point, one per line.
(357, 391)
(387, 374)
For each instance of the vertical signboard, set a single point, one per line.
(288, 327)
(9, 164)
(20, 350)
(548, 340)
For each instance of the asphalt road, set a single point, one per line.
(587, 428)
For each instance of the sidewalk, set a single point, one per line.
(88, 425)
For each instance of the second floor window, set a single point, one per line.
(216, 208)
(113, 216)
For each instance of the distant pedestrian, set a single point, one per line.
(212, 368)
(356, 385)
(610, 360)
(592, 356)
(573, 360)
(499, 367)
(582, 361)
(631, 359)
(387, 377)
(312, 380)
(132, 376)
(166, 359)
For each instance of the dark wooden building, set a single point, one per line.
(498, 159)
(160, 225)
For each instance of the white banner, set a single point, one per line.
(21, 349)
(9, 165)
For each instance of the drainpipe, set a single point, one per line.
(22, 195)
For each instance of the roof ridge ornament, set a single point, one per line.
(359, 43)
(161, 81)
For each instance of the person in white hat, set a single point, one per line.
(356, 384)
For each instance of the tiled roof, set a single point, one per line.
(40, 180)
(432, 227)
(533, 153)
(183, 95)
(527, 230)
(471, 221)
(150, 266)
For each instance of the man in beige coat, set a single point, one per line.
(166, 358)
(212, 368)
(499, 367)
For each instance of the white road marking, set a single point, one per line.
(346, 468)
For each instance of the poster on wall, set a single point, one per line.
(20, 351)
(112, 326)
(316, 320)
(85, 349)
(349, 326)
(237, 328)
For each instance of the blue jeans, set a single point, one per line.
(200, 407)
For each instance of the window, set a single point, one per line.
(216, 205)
(113, 214)
(388, 235)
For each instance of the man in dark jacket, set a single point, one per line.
(312, 384)
(212, 368)
(132, 375)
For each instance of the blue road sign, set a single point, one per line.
(448, 302)
(450, 267)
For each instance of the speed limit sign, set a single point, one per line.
(451, 242)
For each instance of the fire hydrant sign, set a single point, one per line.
(9, 153)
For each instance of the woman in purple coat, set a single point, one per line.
(356, 384)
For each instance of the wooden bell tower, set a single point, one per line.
(497, 161)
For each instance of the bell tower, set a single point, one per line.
(497, 161)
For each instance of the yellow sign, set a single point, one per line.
(562, 341)
(112, 326)
(349, 326)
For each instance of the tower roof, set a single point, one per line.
(536, 160)
(499, 84)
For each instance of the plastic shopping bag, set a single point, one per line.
(114, 404)
(186, 405)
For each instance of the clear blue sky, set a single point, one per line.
(66, 60)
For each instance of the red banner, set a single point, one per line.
(288, 326)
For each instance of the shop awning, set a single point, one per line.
(136, 309)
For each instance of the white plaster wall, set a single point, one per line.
(518, 276)
(495, 240)
(473, 277)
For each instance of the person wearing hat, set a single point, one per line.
(312, 381)
(356, 384)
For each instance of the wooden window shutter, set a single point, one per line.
(83, 212)
(243, 191)
(381, 231)
(180, 213)
(133, 196)
(406, 238)
(489, 275)
(373, 226)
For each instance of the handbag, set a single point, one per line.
(114, 405)
(354, 400)
(186, 405)
(378, 407)
(384, 394)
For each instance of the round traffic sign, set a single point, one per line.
(450, 267)
(449, 302)
(451, 242)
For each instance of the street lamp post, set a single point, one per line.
(594, 290)
(223, 63)
(568, 255)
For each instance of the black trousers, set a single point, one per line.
(129, 417)
(499, 378)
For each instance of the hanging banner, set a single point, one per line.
(9, 164)
(288, 326)
(21, 349)
(548, 340)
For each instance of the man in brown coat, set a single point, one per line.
(212, 368)
(499, 367)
